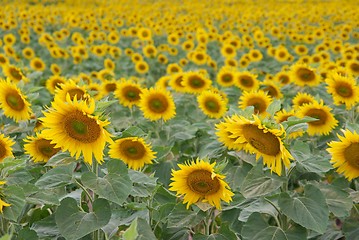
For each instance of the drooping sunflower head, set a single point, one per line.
(258, 99)
(326, 121)
(303, 75)
(5, 147)
(212, 104)
(14, 73)
(246, 81)
(134, 151)
(157, 103)
(54, 82)
(72, 89)
(176, 82)
(344, 89)
(301, 99)
(197, 181)
(39, 148)
(345, 154)
(226, 76)
(128, 93)
(13, 102)
(272, 89)
(71, 125)
(226, 135)
(195, 82)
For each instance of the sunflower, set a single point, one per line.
(109, 64)
(176, 82)
(37, 64)
(198, 182)
(228, 51)
(134, 151)
(55, 69)
(258, 99)
(71, 125)
(345, 154)
(71, 88)
(28, 53)
(142, 67)
(173, 68)
(343, 89)
(224, 134)
(108, 87)
(5, 147)
(272, 89)
(94, 89)
(302, 98)
(54, 82)
(283, 77)
(150, 51)
(212, 104)
(195, 82)
(157, 103)
(3, 60)
(13, 102)
(246, 81)
(353, 67)
(14, 73)
(226, 76)
(255, 55)
(254, 137)
(199, 57)
(128, 93)
(282, 116)
(303, 75)
(39, 148)
(326, 121)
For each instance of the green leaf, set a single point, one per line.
(310, 211)
(350, 229)
(5, 237)
(338, 200)
(133, 131)
(16, 197)
(113, 187)
(19, 177)
(180, 217)
(257, 228)
(46, 228)
(27, 234)
(256, 183)
(139, 230)
(216, 236)
(296, 232)
(258, 205)
(161, 152)
(291, 121)
(56, 177)
(143, 185)
(59, 159)
(102, 105)
(74, 224)
(274, 107)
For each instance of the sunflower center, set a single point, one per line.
(81, 127)
(212, 105)
(2, 150)
(158, 104)
(110, 87)
(38, 65)
(344, 91)
(133, 149)
(200, 181)
(258, 104)
(354, 67)
(196, 82)
(284, 79)
(271, 91)
(227, 78)
(351, 154)
(76, 92)
(15, 101)
(319, 114)
(246, 81)
(15, 74)
(306, 75)
(265, 142)
(46, 148)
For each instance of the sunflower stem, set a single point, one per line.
(208, 221)
(283, 218)
(84, 189)
(97, 233)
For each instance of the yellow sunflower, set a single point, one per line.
(212, 104)
(343, 89)
(326, 121)
(272, 89)
(246, 81)
(94, 90)
(108, 86)
(128, 93)
(283, 77)
(2, 202)
(54, 82)
(14, 73)
(345, 154)
(176, 82)
(282, 116)
(302, 98)
(226, 76)
(4, 60)
(13, 102)
(254, 137)
(72, 89)
(197, 181)
(258, 99)
(303, 75)
(157, 103)
(71, 125)
(5, 147)
(142, 67)
(37, 64)
(134, 151)
(195, 82)
(225, 135)
(39, 148)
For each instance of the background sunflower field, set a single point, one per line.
(170, 120)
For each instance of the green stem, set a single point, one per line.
(96, 233)
(209, 222)
(84, 189)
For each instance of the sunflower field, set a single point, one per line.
(182, 119)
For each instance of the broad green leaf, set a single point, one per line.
(161, 152)
(143, 185)
(27, 234)
(259, 205)
(163, 171)
(16, 197)
(102, 105)
(133, 131)
(257, 183)
(296, 232)
(44, 197)
(74, 224)
(180, 217)
(351, 229)
(19, 177)
(61, 158)
(310, 211)
(274, 107)
(139, 230)
(113, 187)
(56, 177)
(216, 236)
(291, 121)
(5, 237)
(46, 228)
